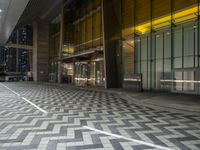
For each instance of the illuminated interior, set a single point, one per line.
(181, 16)
(68, 49)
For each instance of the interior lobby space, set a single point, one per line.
(99, 74)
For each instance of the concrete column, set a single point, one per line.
(112, 33)
(40, 51)
(17, 53)
(61, 47)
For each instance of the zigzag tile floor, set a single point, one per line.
(23, 127)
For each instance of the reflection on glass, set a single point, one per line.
(189, 76)
(128, 57)
(89, 73)
(177, 84)
(169, 42)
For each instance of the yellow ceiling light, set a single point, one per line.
(69, 50)
(143, 28)
(162, 22)
(188, 13)
(181, 16)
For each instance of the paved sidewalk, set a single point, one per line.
(41, 116)
(164, 100)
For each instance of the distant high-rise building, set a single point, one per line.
(2, 59)
(17, 59)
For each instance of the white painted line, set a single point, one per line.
(10, 89)
(40, 109)
(128, 139)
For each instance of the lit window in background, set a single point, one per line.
(179, 17)
(68, 49)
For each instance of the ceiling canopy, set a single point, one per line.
(10, 12)
(17, 13)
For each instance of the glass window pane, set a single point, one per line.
(137, 49)
(167, 44)
(159, 73)
(128, 58)
(177, 42)
(178, 62)
(196, 46)
(189, 40)
(144, 73)
(188, 61)
(137, 67)
(177, 84)
(167, 65)
(144, 46)
(189, 45)
(159, 46)
(159, 59)
(137, 55)
(189, 85)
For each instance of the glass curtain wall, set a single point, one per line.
(54, 51)
(128, 53)
(161, 44)
(87, 27)
(185, 46)
(166, 44)
(83, 34)
(128, 42)
(143, 41)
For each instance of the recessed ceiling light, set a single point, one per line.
(0, 10)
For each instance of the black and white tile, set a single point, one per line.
(70, 110)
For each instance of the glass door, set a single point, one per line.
(99, 71)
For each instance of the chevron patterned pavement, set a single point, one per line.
(69, 110)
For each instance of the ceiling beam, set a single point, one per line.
(20, 46)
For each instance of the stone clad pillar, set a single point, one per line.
(60, 68)
(112, 34)
(41, 35)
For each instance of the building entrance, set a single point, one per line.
(89, 73)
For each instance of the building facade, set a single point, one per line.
(153, 43)
(134, 44)
(83, 58)
(165, 37)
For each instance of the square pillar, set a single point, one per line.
(112, 35)
(60, 64)
(40, 52)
